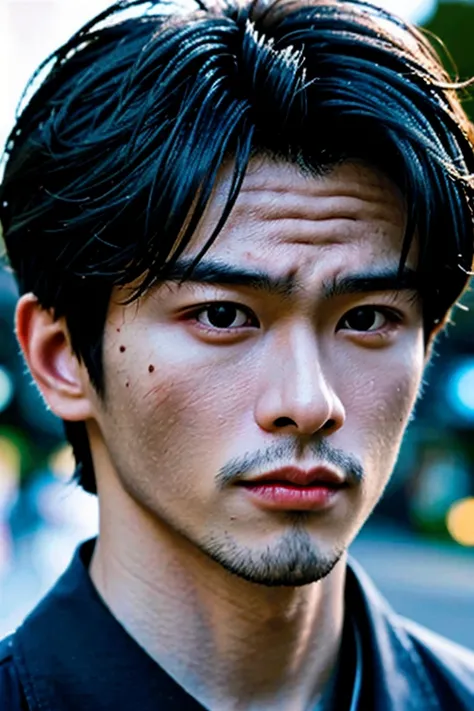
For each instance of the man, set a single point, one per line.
(237, 230)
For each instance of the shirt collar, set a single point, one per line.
(73, 654)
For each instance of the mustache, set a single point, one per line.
(285, 453)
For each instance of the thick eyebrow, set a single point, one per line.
(220, 274)
(388, 279)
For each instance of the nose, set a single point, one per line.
(295, 395)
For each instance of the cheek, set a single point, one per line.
(392, 411)
(169, 431)
(172, 403)
(380, 400)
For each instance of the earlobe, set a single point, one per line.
(59, 375)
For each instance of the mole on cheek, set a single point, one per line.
(122, 349)
(151, 368)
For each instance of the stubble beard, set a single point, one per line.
(293, 560)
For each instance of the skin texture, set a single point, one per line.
(255, 613)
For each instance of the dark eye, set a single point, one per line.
(223, 315)
(366, 319)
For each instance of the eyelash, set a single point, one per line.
(392, 316)
(193, 316)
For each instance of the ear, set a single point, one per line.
(61, 378)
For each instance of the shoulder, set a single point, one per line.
(447, 662)
(403, 649)
(440, 648)
(11, 693)
(6, 650)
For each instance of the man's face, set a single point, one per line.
(313, 364)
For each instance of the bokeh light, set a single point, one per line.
(6, 388)
(460, 522)
(10, 465)
(460, 390)
(61, 463)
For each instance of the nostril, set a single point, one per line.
(288, 422)
(284, 422)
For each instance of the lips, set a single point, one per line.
(294, 489)
(295, 477)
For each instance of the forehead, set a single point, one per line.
(286, 219)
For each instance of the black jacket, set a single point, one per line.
(72, 654)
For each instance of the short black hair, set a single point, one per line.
(113, 159)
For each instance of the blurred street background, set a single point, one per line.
(419, 544)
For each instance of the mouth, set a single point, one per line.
(293, 489)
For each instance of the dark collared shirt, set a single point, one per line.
(71, 654)
(77, 656)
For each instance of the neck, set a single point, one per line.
(230, 643)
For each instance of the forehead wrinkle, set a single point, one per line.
(266, 205)
(278, 205)
(322, 190)
(350, 179)
(323, 233)
(278, 191)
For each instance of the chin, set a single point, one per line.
(293, 561)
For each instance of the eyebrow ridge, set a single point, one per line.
(218, 273)
(385, 279)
